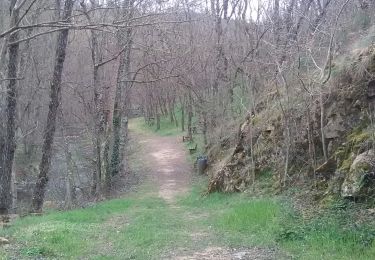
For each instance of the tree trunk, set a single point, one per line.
(182, 116)
(122, 85)
(157, 119)
(116, 122)
(190, 117)
(96, 59)
(70, 196)
(174, 114)
(171, 112)
(99, 119)
(322, 117)
(8, 144)
(204, 130)
(49, 131)
(106, 157)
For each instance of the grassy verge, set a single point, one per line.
(241, 221)
(332, 234)
(145, 227)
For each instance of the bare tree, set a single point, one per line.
(49, 131)
(8, 142)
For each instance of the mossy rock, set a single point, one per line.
(346, 163)
(358, 137)
(354, 182)
(346, 153)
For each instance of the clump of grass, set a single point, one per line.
(256, 219)
(62, 234)
(331, 234)
(237, 219)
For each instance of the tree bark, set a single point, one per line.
(124, 39)
(49, 131)
(182, 115)
(190, 117)
(116, 122)
(8, 143)
(99, 125)
(157, 118)
(70, 195)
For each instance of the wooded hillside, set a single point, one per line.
(278, 94)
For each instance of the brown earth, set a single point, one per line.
(165, 159)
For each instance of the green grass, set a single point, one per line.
(237, 220)
(241, 221)
(144, 227)
(62, 234)
(256, 220)
(330, 235)
(166, 127)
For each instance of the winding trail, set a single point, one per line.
(171, 170)
(164, 162)
(165, 157)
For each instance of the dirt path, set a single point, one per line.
(166, 159)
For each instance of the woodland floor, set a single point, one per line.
(166, 217)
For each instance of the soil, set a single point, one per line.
(164, 160)
(171, 171)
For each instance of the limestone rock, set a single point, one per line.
(334, 128)
(3, 241)
(355, 181)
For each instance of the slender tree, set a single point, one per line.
(49, 131)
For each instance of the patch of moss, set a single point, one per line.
(256, 119)
(358, 137)
(362, 167)
(328, 201)
(351, 146)
(345, 165)
(342, 153)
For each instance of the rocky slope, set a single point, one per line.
(290, 143)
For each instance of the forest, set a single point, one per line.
(187, 129)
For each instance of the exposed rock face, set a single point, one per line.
(334, 128)
(361, 169)
(290, 143)
(233, 176)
